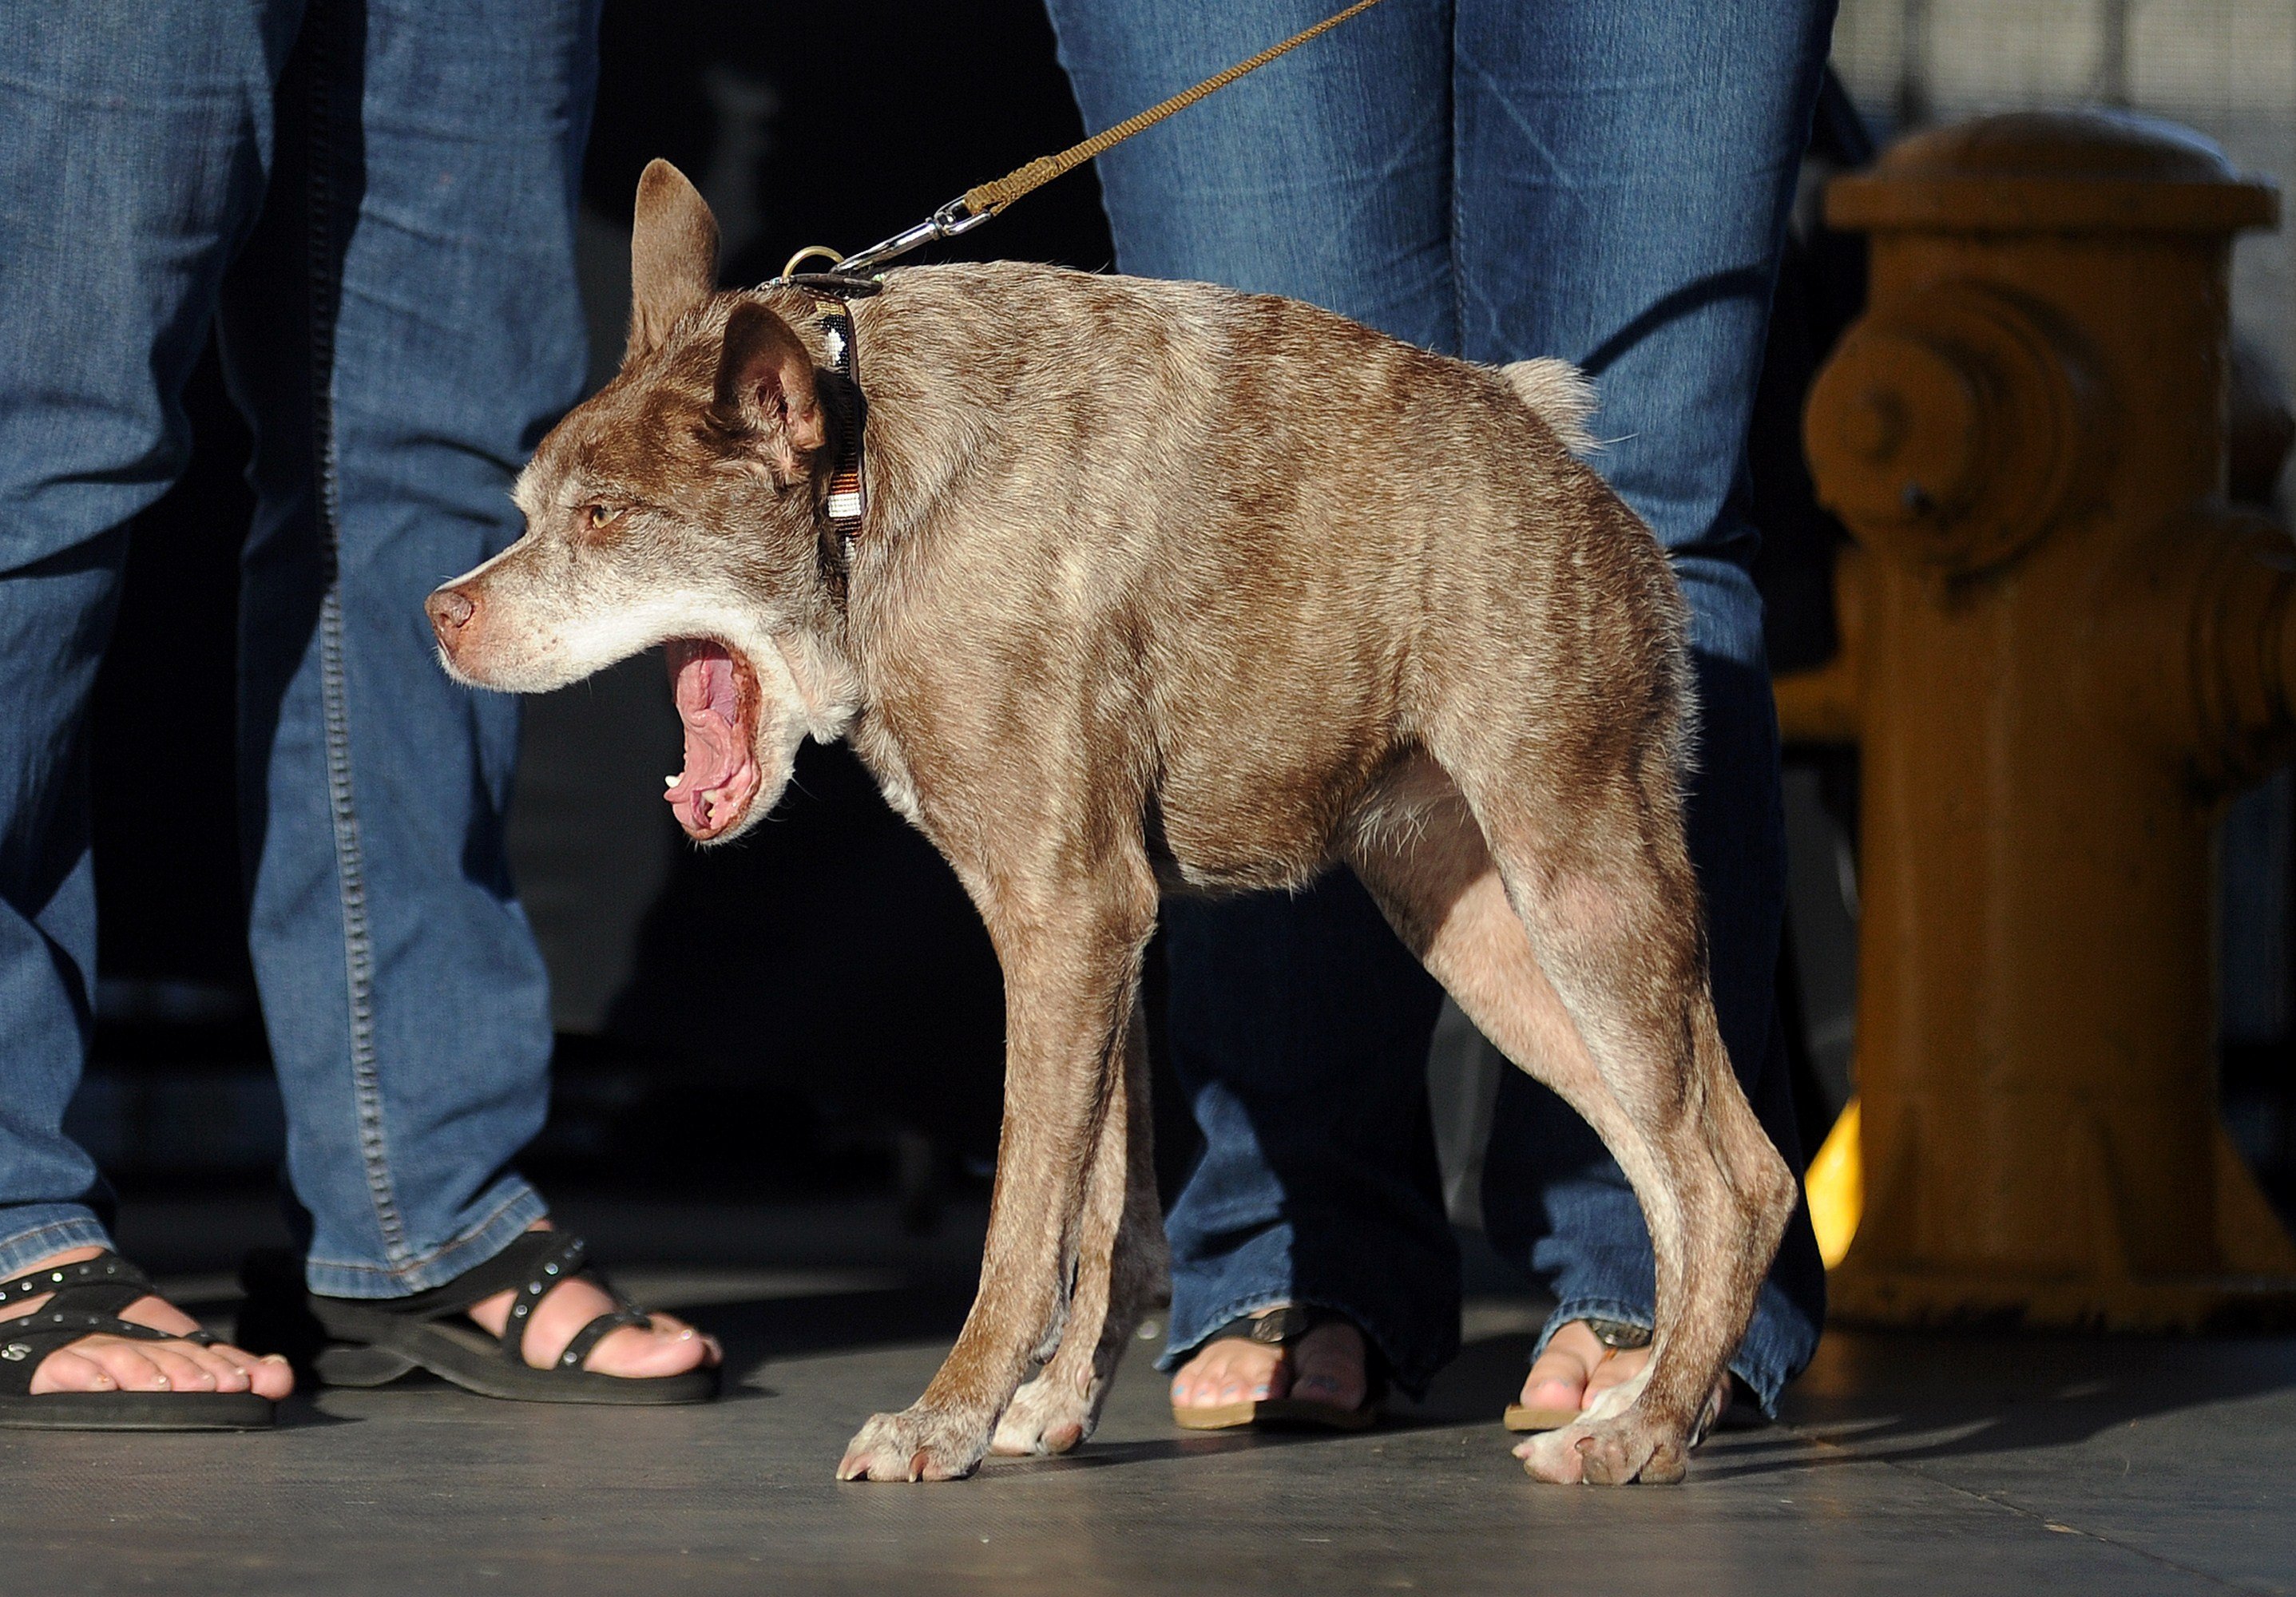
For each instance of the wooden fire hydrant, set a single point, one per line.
(2063, 650)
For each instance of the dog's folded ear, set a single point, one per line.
(673, 256)
(766, 391)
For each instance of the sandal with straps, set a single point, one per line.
(1616, 1337)
(83, 1299)
(1281, 1328)
(373, 1341)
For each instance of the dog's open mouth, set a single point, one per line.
(718, 703)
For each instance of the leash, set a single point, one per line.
(976, 205)
(849, 275)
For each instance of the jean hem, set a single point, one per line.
(1409, 1373)
(64, 1229)
(1762, 1376)
(519, 1208)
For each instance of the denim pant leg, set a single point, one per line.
(404, 326)
(1396, 171)
(1623, 173)
(1298, 1026)
(134, 142)
(1318, 1182)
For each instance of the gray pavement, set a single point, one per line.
(1906, 1463)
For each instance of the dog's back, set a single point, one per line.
(1241, 530)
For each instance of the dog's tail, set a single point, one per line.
(1560, 394)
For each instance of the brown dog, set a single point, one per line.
(1167, 586)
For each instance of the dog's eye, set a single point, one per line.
(604, 515)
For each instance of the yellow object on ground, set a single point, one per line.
(1836, 1185)
(2062, 652)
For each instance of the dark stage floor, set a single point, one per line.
(1909, 1464)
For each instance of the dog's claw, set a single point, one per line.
(1607, 1452)
(1046, 1416)
(918, 1444)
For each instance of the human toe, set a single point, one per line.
(1229, 1370)
(1194, 1384)
(1559, 1378)
(669, 1328)
(130, 1364)
(180, 1364)
(273, 1377)
(646, 1353)
(224, 1373)
(1252, 1374)
(1619, 1368)
(269, 1376)
(67, 1370)
(1330, 1364)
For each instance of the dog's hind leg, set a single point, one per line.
(1121, 1268)
(1591, 977)
(1070, 948)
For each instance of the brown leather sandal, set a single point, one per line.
(1281, 1328)
(1616, 1336)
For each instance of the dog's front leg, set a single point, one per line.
(1122, 1266)
(1071, 958)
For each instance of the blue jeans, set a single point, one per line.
(373, 200)
(1604, 180)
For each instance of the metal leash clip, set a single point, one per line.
(950, 221)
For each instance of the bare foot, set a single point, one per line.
(1572, 1362)
(1577, 1367)
(670, 1346)
(1326, 1366)
(100, 1362)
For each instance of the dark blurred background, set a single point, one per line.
(816, 1009)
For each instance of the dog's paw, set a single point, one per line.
(917, 1444)
(1044, 1416)
(1614, 1452)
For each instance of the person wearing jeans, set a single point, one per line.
(371, 202)
(1604, 180)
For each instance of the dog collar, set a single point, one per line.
(848, 505)
(849, 501)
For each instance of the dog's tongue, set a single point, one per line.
(709, 705)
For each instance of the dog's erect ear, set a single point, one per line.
(766, 391)
(673, 255)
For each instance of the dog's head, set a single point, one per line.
(678, 506)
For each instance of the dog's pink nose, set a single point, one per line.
(450, 611)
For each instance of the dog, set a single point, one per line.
(1166, 587)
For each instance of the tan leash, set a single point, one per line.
(976, 205)
(846, 508)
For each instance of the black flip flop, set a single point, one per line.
(373, 1341)
(1281, 1328)
(82, 1299)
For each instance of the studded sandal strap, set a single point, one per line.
(508, 1271)
(28, 1339)
(590, 1335)
(107, 1274)
(547, 1268)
